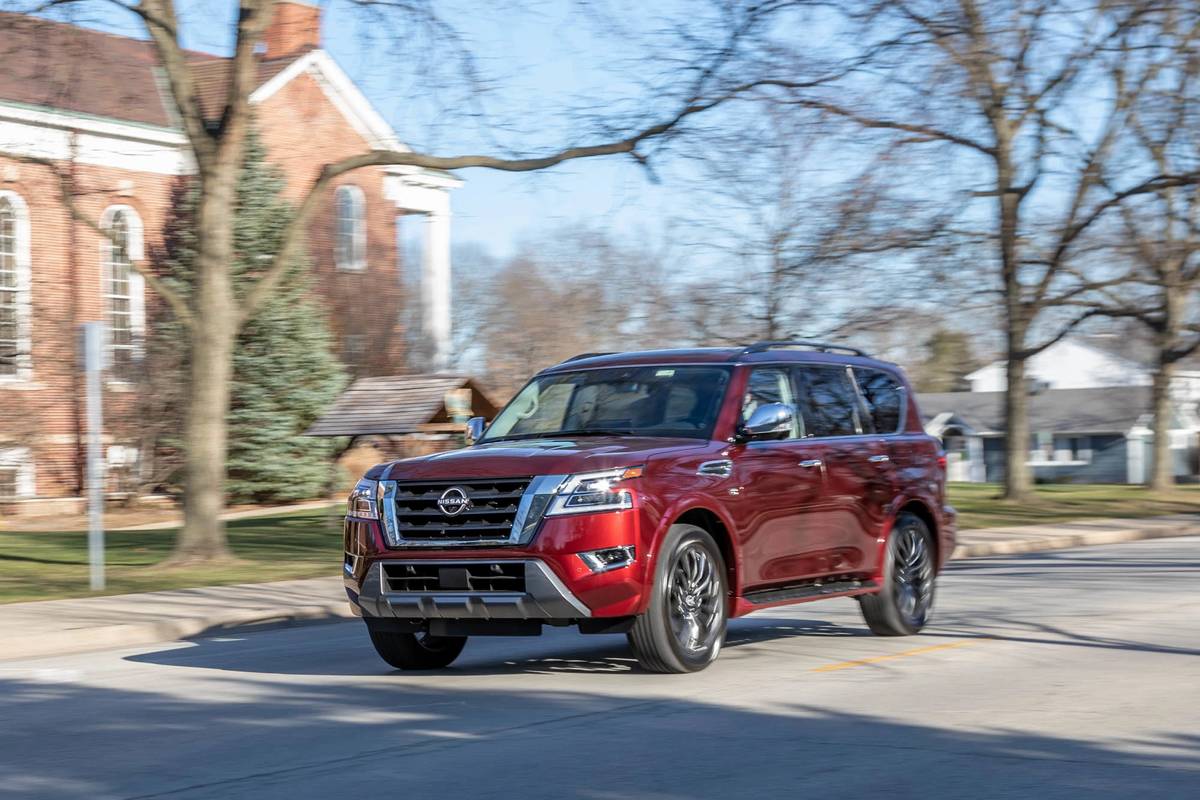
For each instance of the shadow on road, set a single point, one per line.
(558, 651)
(249, 736)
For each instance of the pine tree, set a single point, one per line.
(285, 372)
(949, 358)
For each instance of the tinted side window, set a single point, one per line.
(884, 397)
(828, 403)
(769, 385)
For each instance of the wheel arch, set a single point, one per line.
(712, 522)
(921, 510)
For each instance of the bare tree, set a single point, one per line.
(1025, 102)
(798, 236)
(709, 68)
(569, 291)
(1160, 235)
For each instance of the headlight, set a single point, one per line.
(362, 501)
(594, 491)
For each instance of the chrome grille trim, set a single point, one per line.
(530, 508)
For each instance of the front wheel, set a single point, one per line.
(684, 627)
(416, 650)
(905, 600)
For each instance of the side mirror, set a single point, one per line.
(769, 421)
(475, 428)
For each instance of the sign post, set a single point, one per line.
(93, 362)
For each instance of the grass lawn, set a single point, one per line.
(46, 565)
(979, 504)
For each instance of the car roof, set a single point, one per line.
(763, 352)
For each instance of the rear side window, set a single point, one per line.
(884, 397)
(828, 403)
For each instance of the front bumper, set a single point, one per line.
(558, 583)
(545, 598)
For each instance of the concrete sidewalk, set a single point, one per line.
(55, 627)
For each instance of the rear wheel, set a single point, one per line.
(905, 600)
(416, 650)
(684, 627)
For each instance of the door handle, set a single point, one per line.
(810, 463)
(879, 459)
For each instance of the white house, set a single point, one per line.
(1090, 362)
(1090, 415)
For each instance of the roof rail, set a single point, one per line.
(809, 344)
(582, 356)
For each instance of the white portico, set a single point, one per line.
(425, 192)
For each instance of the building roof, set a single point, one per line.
(66, 67)
(1110, 409)
(395, 405)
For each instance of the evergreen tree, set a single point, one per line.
(949, 358)
(285, 372)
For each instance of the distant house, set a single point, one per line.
(1090, 416)
(1085, 362)
(1079, 435)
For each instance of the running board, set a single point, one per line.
(808, 591)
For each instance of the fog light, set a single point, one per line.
(608, 558)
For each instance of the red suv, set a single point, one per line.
(657, 494)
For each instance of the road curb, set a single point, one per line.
(1066, 541)
(30, 643)
(102, 637)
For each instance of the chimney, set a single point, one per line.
(295, 28)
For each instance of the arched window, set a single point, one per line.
(123, 289)
(15, 311)
(350, 236)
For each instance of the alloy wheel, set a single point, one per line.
(913, 575)
(694, 597)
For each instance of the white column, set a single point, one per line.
(435, 287)
(975, 458)
(1135, 454)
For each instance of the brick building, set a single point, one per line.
(95, 105)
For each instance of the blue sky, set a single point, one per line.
(537, 60)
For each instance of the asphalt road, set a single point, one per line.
(1067, 674)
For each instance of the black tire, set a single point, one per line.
(905, 600)
(684, 627)
(416, 650)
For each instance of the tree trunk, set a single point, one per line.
(1162, 471)
(1018, 480)
(212, 335)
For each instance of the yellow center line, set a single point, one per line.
(905, 654)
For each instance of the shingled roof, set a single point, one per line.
(56, 65)
(1111, 409)
(396, 404)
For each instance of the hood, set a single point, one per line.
(534, 457)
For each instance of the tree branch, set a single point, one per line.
(927, 131)
(290, 242)
(163, 28)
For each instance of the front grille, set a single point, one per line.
(497, 576)
(489, 516)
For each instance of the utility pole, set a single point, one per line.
(93, 361)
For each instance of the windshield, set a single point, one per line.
(628, 401)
